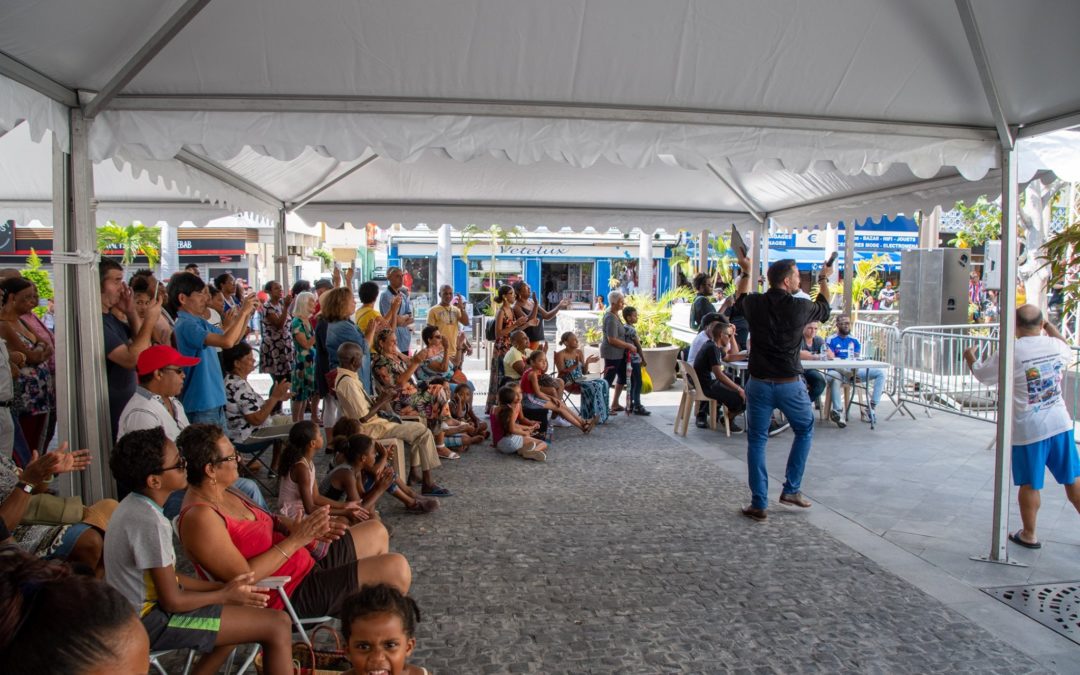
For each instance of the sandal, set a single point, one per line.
(617, 408)
(451, 454)
(423, 505)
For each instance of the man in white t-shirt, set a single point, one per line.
(1042, 426)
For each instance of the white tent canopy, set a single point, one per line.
(798, 111)
(714, 108)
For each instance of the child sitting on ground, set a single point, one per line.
(461, 410)
(379, 626)
(362, 471)
(511, 431)
(298, 495)
(176, 610)
(537, 396)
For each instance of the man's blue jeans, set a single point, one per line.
(762, 397)
(875, 376)
(215, 416)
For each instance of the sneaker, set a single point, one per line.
(778, 427)
(537, 455)
(735, 428)
(835, 417)
(560, 422)
(871, 415)
(702, 423)
(640, 410)
(795, 499)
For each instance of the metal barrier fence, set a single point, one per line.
(928, 368)
(932, 372)
(881, 342)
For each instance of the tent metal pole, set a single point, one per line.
(80, 361)
(1006, 332)
(281, 251)
(444, 262)
(645, 263)
(703, 252)
(729, 183)
(554, 110)
(146, 53)
(759, 245)
(849, 263)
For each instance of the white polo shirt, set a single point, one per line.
(146, 410)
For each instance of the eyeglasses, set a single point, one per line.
(179, 466)
(174, 369)
(231, 458)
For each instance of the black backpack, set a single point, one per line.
(489, 330)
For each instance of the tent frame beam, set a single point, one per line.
(1006, 135)
(537, 109)
(181, 18)
(755, 211)
(16, 70)
(1050, 125)
(930, 184)
(457, 206)
(230, 178)
(303, 201)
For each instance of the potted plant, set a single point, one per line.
(659, 348)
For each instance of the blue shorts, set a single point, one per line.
(1057, 453)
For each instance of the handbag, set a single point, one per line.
(46, 509)
(646, 382)
(312, 660)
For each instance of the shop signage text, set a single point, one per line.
(536, 251)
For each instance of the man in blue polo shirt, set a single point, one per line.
(844, 346)
(204, 386)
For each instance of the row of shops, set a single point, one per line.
(557, 265)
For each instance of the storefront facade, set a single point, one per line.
(885, 238)
(557, 265)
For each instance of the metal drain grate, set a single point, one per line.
(1056, 606)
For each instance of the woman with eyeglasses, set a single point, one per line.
(225, 536)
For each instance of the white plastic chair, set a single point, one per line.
(691, 396)
(155, 660)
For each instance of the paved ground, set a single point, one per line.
(626, 553)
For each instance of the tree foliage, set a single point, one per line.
(40, 278)
(654, 314)
(495, 236)
(981, 222)
(325, 256)
(133, 240)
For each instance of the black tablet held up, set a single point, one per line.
(737, 243)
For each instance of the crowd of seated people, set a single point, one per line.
(186, 415)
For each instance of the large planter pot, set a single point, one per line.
(661, 366)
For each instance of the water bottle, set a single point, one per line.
(550, 430)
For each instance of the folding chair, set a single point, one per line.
(277, 584)
(155, 660)
(568, 388)
(692, 395)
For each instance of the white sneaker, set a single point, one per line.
(560, 422)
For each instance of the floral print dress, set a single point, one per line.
(428, 403)
(34, 393)
(594, 393)
(303, 373)
(498, 351)
(276, 354)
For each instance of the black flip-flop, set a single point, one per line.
(1015, 538)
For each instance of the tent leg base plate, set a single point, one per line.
(988, 559)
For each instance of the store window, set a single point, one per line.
(567, 281)
(506, 271)
(419, 278)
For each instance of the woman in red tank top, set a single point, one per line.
(224, 535)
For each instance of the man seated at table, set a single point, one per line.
(814, 349)
(844, 346)
(709, 366)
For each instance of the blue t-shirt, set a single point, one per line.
(844, 347)
(204, 385)
(337, 334)
(402, 334)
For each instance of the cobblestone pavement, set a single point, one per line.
(626, 553)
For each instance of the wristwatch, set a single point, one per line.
(25, 487)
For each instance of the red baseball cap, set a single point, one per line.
(160, 356)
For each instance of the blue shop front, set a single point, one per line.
(556, 265)
(885, 239)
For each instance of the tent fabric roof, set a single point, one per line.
(634, 112)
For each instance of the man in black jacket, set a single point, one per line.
(776, 321)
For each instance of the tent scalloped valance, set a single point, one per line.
(580, 143)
